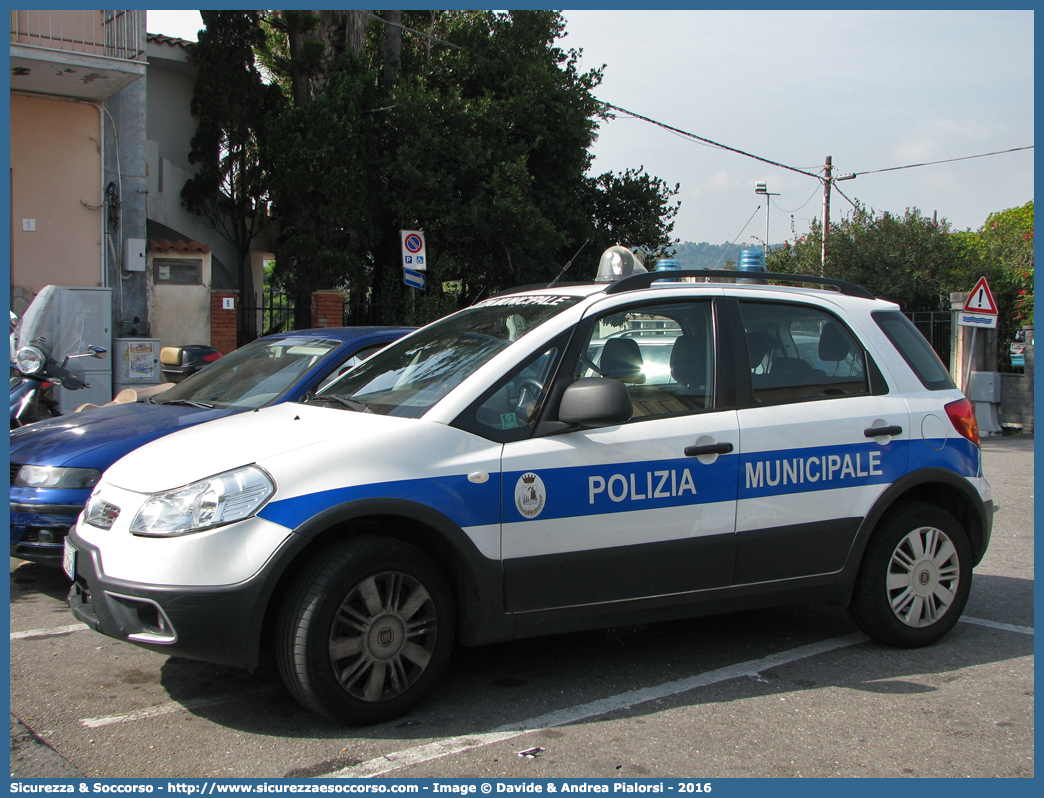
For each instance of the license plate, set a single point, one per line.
(69, 560)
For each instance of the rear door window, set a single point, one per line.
(799, 352)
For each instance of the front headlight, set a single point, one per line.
(30, 360)
(32, 476)
(211, 502)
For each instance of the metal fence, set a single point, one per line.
(359, 313)
(275, 314)
(936, 326)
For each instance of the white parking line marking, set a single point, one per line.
(150, 712)
(1007, 627)
(456, 745)
(57, 630)
(167, 709)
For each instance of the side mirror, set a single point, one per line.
(97, 351)
(595, 402)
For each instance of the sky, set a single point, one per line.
(874, 90)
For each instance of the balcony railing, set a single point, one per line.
(112, 34)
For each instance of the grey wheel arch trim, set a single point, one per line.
(925, 478)
(476, 580)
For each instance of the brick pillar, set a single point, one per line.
(328, 309)
(222, 321)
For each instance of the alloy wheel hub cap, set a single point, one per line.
(386, 637)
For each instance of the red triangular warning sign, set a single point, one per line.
(980, 300)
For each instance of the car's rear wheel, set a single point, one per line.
(915, 577)
(366, 630)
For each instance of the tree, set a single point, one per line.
(1004, 245)
(917, 262)
(322, 178)
(633, 208)
(1002, 252)
(230, 103)
(909, 258)
(320, 156)
(488, 143)
(478, 132)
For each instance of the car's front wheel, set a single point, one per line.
(366, 630)
(915, 577)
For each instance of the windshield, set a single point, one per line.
(253, 375)
(411, 375)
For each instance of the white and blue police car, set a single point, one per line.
(547, 460)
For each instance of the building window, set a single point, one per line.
(178, 271)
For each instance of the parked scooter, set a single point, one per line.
(179, 362)
(34, 375)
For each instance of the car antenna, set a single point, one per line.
(728, 246)
(569, 263)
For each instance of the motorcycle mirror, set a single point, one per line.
(97, 351)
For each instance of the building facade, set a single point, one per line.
(101, 131)
(77, 154)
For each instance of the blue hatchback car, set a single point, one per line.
(56, 463)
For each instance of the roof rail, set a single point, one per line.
(644, 279)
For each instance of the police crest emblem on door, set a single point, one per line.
(530, 495)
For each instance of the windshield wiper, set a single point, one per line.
(351, 404)
(189, 402)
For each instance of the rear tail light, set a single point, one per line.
(962, 416)
(212, 357)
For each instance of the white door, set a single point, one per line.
(640, 509)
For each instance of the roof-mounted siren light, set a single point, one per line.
(667, 265)
(751, 260)
(616, 263)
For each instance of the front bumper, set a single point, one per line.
(213, 624)
(38, 530)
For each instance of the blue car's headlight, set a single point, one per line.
(32, 476)
(211, 502)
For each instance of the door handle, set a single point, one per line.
(714, 448)
(876, 432)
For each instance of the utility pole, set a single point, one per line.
(828, 181)
(827, 168)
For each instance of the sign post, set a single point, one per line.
(414, 259)
(980, 310)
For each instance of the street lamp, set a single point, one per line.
(761, 188)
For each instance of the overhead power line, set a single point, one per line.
(948, 160)
(827, 179)
(685, 133)
(799, 207)
(695, 137)
(839, 191)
